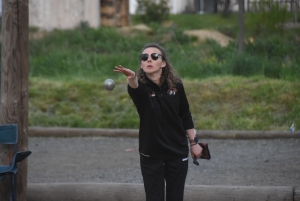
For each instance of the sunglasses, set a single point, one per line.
(154, 56)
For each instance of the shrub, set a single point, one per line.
(272, 69)
(150, 11)
(269, 18)
(246, 65)
(290, 72)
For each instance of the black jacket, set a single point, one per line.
(164, 118)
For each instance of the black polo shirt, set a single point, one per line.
(164, 118)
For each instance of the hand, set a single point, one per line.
(196, 151)
(127, 72)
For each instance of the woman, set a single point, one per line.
(165, 120)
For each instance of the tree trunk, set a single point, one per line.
(241, 27)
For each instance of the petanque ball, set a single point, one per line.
(109, 84)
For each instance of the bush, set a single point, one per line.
(149, 11)
(290, 72)
(269, 18)
(272, 69)
(246, 65)
(181, 38)
(278, 56)
(271, 47)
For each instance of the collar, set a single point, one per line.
(150, 82)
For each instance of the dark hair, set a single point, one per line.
(169, 74)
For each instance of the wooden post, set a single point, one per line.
(108, 12)
(14, 86)
(124, 13)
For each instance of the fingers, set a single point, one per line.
(197, 156)
(196, 151)
(120, 69)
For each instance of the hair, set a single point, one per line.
(169, 74)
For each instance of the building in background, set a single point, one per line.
(68, 14)
(176, 6)
(63, 14)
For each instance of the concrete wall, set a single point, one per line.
(63, 14)
(176, 6)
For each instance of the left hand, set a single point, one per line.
(196, 151)
(127, 72)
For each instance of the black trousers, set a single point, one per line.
(161, 173)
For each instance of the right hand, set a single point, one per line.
(127, 72)
(196, 151)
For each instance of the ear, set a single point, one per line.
(163, 64)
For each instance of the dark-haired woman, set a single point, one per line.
(165, 123)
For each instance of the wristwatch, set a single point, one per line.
(195, 140)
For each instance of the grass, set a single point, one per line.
(256, 103)
(217, 103)
(257, 90)
(226, 25)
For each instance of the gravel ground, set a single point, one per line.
(273, 162)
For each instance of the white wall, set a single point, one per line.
(176, 6)
(179, 6)
(63, 14)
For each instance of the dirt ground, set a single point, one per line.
(201, 34)
(268, 162)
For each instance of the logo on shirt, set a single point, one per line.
(184, 159)
(152, 94)
(172, 91)
(145, 155)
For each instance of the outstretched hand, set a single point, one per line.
(127, 72)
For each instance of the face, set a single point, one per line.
(151, 61)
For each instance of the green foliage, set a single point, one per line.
(275, 46)
(150, 11)
(256, 90)
(268, 18)
(217, 103)
(94, 53)
(208, 21)
(80, 103)
(246, 65)
(278, 56)
(237, 103)
(82, 52)
(181, 38)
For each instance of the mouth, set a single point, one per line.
(149, 66)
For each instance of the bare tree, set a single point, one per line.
(224, 6)
(241, 26)
(296, 7)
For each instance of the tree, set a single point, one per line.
(152, 11)
(241, 26)
(224, 6)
